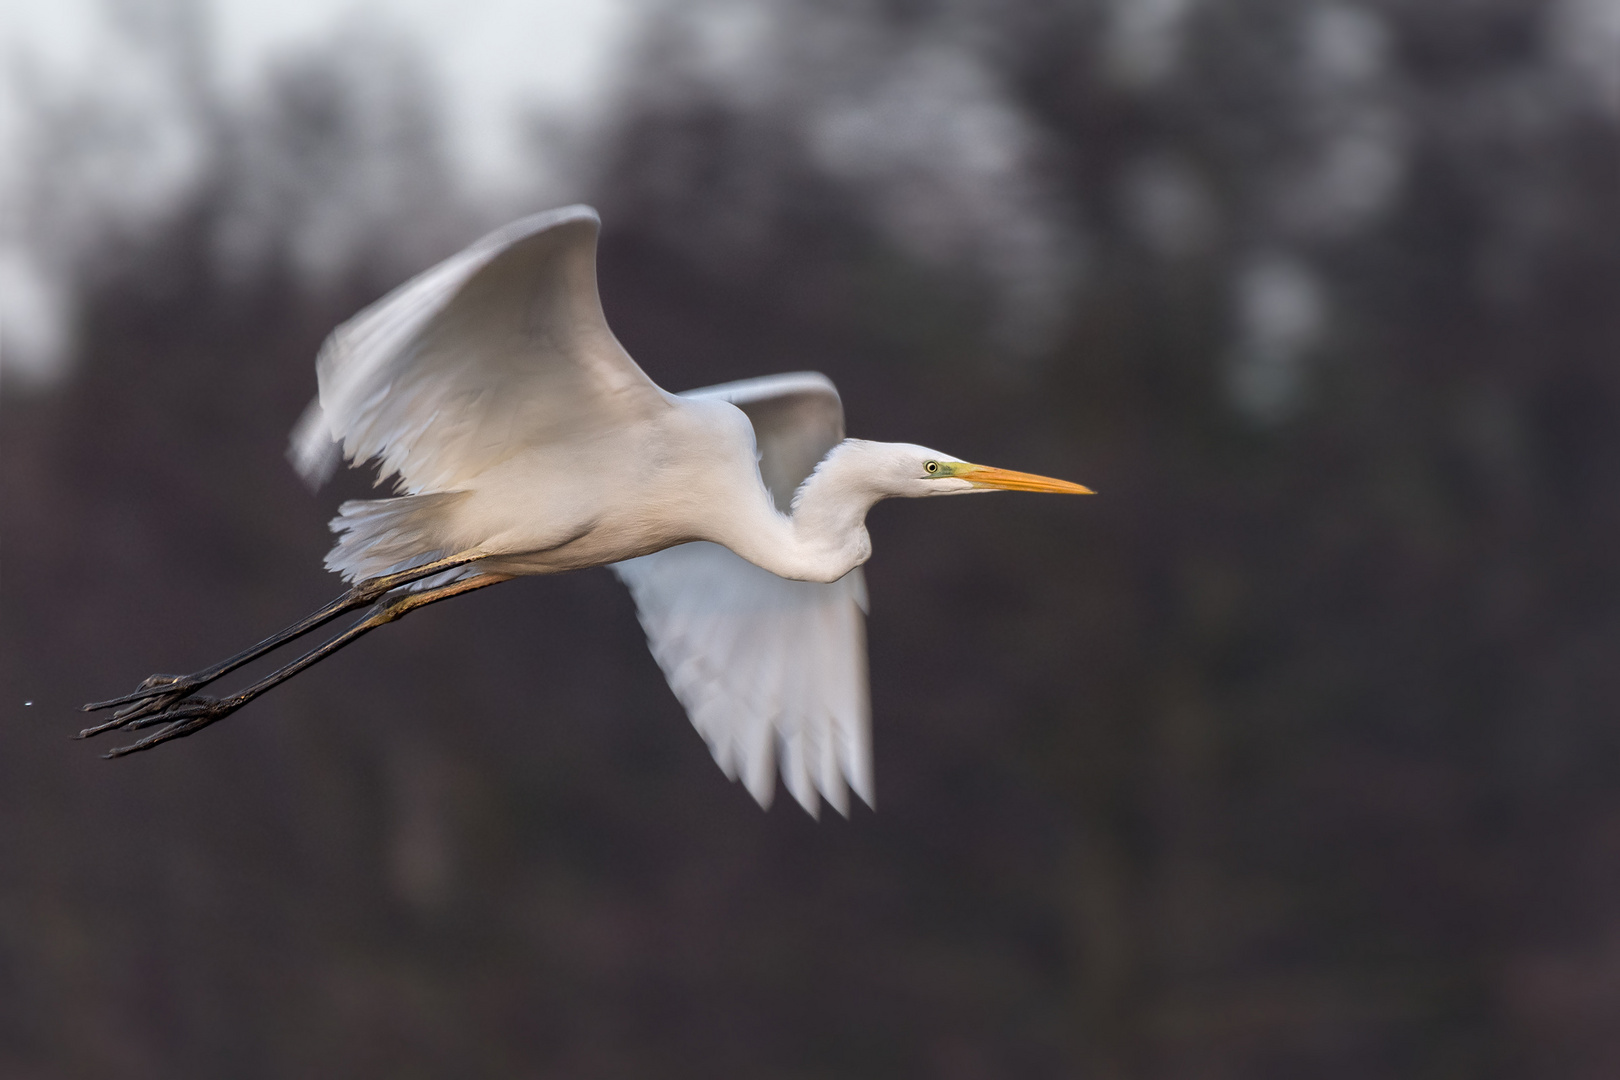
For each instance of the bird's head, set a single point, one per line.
(829, 508)
(905, 470)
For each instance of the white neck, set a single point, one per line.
(825, 537)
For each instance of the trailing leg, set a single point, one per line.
(182, 714)
(157, 692)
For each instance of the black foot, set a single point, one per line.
(179, 717)
(172, 700)
(155, 698)
(152, 687)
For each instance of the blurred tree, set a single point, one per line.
(1292, 753)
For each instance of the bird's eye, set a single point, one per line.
(931, 467)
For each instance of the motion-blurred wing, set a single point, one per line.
(770, 670)
(501, 346)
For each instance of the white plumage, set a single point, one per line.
(524, 440)
(767, 666)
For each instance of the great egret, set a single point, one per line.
(526, 441)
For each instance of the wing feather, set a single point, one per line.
(771, 671)
(501, 346)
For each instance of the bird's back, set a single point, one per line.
(687, 473)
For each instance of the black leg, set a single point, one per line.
(158, 692)
(182, 715)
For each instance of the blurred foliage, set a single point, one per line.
(1292, 753)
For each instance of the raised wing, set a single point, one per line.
(501, 346)
(797, 418)
(771, 671)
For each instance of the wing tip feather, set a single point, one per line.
(313, 451)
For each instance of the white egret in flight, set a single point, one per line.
(526, 441)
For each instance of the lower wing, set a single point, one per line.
(770, 670)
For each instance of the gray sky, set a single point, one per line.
(491, 56)
(493, 59)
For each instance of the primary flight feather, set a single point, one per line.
(525, 440)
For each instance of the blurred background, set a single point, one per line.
(1293, 753)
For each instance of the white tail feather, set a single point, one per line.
(382, 536)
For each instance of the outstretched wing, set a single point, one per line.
(770, 670)
(499, 347)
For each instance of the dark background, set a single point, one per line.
(1295, 752)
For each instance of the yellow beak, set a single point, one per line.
(986, 477)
